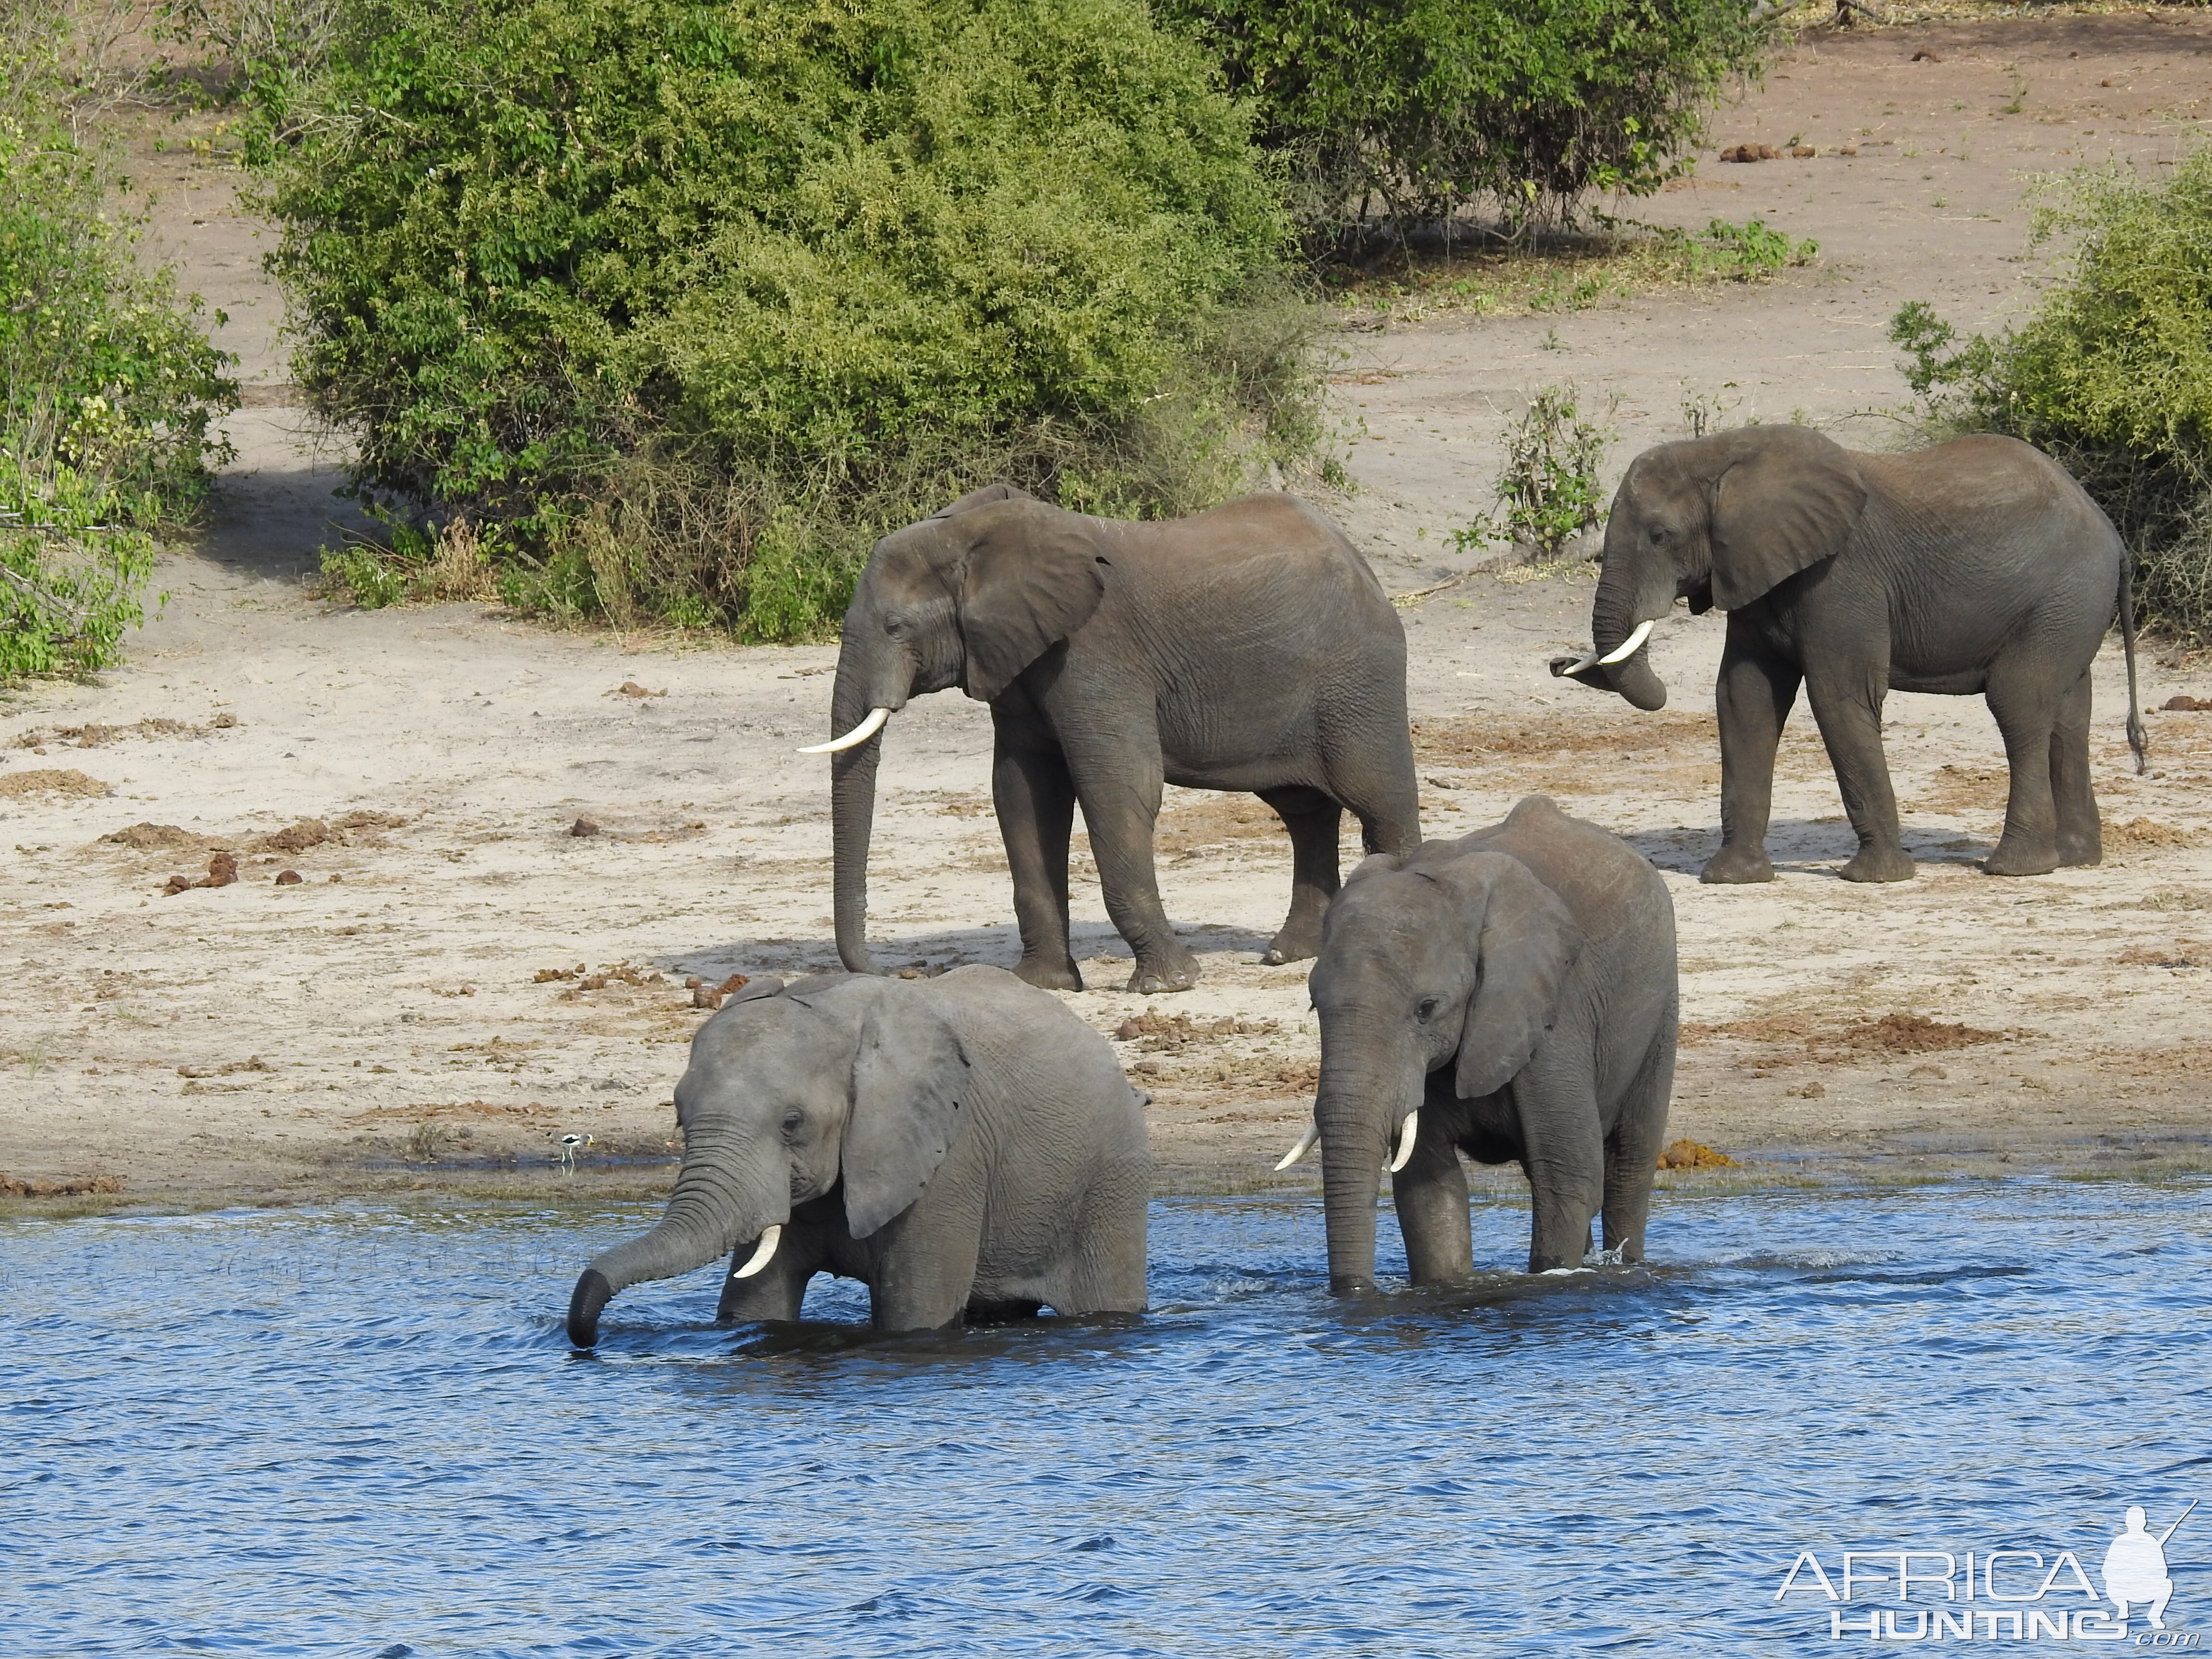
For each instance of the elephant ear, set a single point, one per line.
(1529, 940)
(1034, 576)
(988, 495)
(909, 1097)
(1789, 499)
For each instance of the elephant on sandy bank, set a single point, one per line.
(1248, 647)
(965, 1147)
(1978, 566)
(1511, 995)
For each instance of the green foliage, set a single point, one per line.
(1412, 109)
(2112, 373)
(106, 386)
(685, 302)
(1548, 492)
(1749, 252)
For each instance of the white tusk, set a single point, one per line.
(762, 1255)
(1406, 1137)
(1629, 647)
(866, 729)
(1305, 1144)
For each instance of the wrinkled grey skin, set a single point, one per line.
(1516, 986)
(965, 1147)
(1978, 566)
(1246, 648)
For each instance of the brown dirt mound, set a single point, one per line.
(1913, 1034)
(50, 781)
(156, 837)
(2145, 832)
(1693, 1155)
(68, 1186)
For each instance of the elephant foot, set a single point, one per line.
(1880, 864)
(2012, 861)
(1737, 866)
(2075, 855)
(1047, 977)
(1292, 944)
(1153, 980)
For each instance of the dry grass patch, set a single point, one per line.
(2145, 832)
(1795, 1036)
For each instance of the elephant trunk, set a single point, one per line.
(708, 1214)
(1360, 1106)
(853, 806)
(1624, 599)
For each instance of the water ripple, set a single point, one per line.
(360, 1432)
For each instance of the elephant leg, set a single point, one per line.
(1103, 1270)
(1431, 1195)
(1313, 820)
(2028, 715)
(1384, 799)
(1562, 1151)
(1754, 695)
(1036, 798)
(921, 1265)
(1121, 805)
(1848, 705)
(777, 1291)
(1632, 1150)
(2073, 796)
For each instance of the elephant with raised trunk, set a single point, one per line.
(1510, 995)
(1978, 566)
(965, 1147)
(1248, 647)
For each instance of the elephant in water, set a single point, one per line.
(1511, 995)
(965, 1147)
(1248, 647)
(1976, 566)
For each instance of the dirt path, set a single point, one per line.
(457, 979)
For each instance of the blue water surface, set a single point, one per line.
(361, 1432)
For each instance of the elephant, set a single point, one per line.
(1248, 647)
(963, 1145)
(1977, 566)
(1511, 995)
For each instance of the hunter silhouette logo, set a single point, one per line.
(2007, 1594)
(2134, 1567)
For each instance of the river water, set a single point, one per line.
(359, 1432)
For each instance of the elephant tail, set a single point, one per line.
(2138, 739)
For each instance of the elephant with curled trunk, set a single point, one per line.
(1248, 647)
(1510, 995)
(1978, 566)
(965, 1147)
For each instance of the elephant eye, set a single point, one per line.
(790, 1121)
(1428, 1009)
(1658, 532)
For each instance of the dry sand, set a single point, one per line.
(457, 979)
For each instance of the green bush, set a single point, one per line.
(106, 385)
(681, 303)
(1548, 492)
(2112, 373)
(1400, 113)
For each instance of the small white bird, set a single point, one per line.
(570, 1145)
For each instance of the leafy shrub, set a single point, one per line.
(1548, 492)
(1409, 110)
(106, 385)
(2112, 373)
(681, 304)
